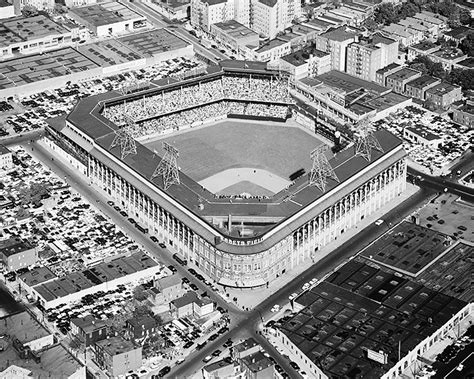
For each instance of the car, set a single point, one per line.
(111, 203)
(192, 271)
(228, 343)
(379, 222)
(162, 245)
(131, 220)
(117, 208)
(294, 365)
(292, 296)
(165, 370)
(462, 227)
(305, 286)
(185, 280)
(207, 359)
(199, 346)
(187, 345)
(213, 337)
(194, 287)
(172, 269)
(275, 308)
(179, 361)
(313, 281)
(124, 214)
(216, 353)
(154, 239)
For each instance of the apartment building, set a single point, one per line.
(204, 13)
(16, 253)
(417, 88)
(335, 42)
(368, 55)
(117, 355)
(6, 160)
(465, 115)
(443, 95)
(269, 17)
(398, 80)
(41, 5)
(307, 62)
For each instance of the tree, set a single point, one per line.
(34, 192)
(467, 45)
(385, 14)
(29, 11)
(141, 311)
(139, 293)
(461, 77)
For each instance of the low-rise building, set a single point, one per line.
(203, 307)
(420, 135)
(191, 305)
(398, 80)
(169, 287)
(307, 62)
(40, 5)
(458, 34)
(116, 355)
(405, 35)
(172, 9)
(6, 160)
(141, 327)
(272, 50)
(448, 57)
(381, 74)
(422, 48)
(223, 369)
(28, 35)
(235, 35)
(245, 348)
(417, 88)
(16, 253)
(108, 18)
(257, 366)
(89, 329)
(464, 115)
(7, 9)
(443, 95)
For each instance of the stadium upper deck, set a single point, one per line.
(295, 221)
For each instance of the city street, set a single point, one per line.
(243, 324)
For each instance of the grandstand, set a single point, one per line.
(240, 235)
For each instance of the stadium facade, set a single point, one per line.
(282, 231)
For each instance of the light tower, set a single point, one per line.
(365, 140)
(168, 166)
(124, 139)
(321, 169)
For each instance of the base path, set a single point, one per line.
(225, 182)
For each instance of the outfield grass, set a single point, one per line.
(228, 144)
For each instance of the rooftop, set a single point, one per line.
(348, 83)
(257, 362)
(89, 323)
(168, 281)
(245, 345)
(235, 29)
(442, 88)
(146, 322)
(468, 62)
(340, 34)
(390, 67)
(448, 54)
(467, 108)
(95, 275)
(302, 56)
(422, 82)
(361, 307)
(188, 298)
(217, 365)
(273, 43)
(37, 276)
(23, 327)
(14, 246)
(116, 345)
(403, 74)
(105, 13)
(29, 28)
(425, 46)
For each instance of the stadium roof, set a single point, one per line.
(193, 204)
(361, 307)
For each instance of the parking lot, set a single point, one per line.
(456, 138)
(32, 111)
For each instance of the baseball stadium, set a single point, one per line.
(217, 168)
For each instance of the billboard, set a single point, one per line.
(380, 356)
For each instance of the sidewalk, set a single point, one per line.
(249, 298)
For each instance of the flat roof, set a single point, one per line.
(422, 132)
(37, 276)
(390, 67)
(235, 29)
(153, 42)
(245, 345)
(50, 64)
(442, 88)
(273, 43)
(422, 81)
(14, 246)
(116, 345)
(362, 307)
(108, 53)
(385, 101)
(300, 57)
(89, 323)
(424, 46)
(36, 27)
(459, 32)
(169, 281)
(257, 362)
(448, 53)
(343, 33)
(105, 13)
(403, 74)
(348, 83)
(408, 247)
(95, 275)
(86, 116)
(217, 365)
(188, 298)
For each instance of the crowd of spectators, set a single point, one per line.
(224, 88)
(210, 112)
